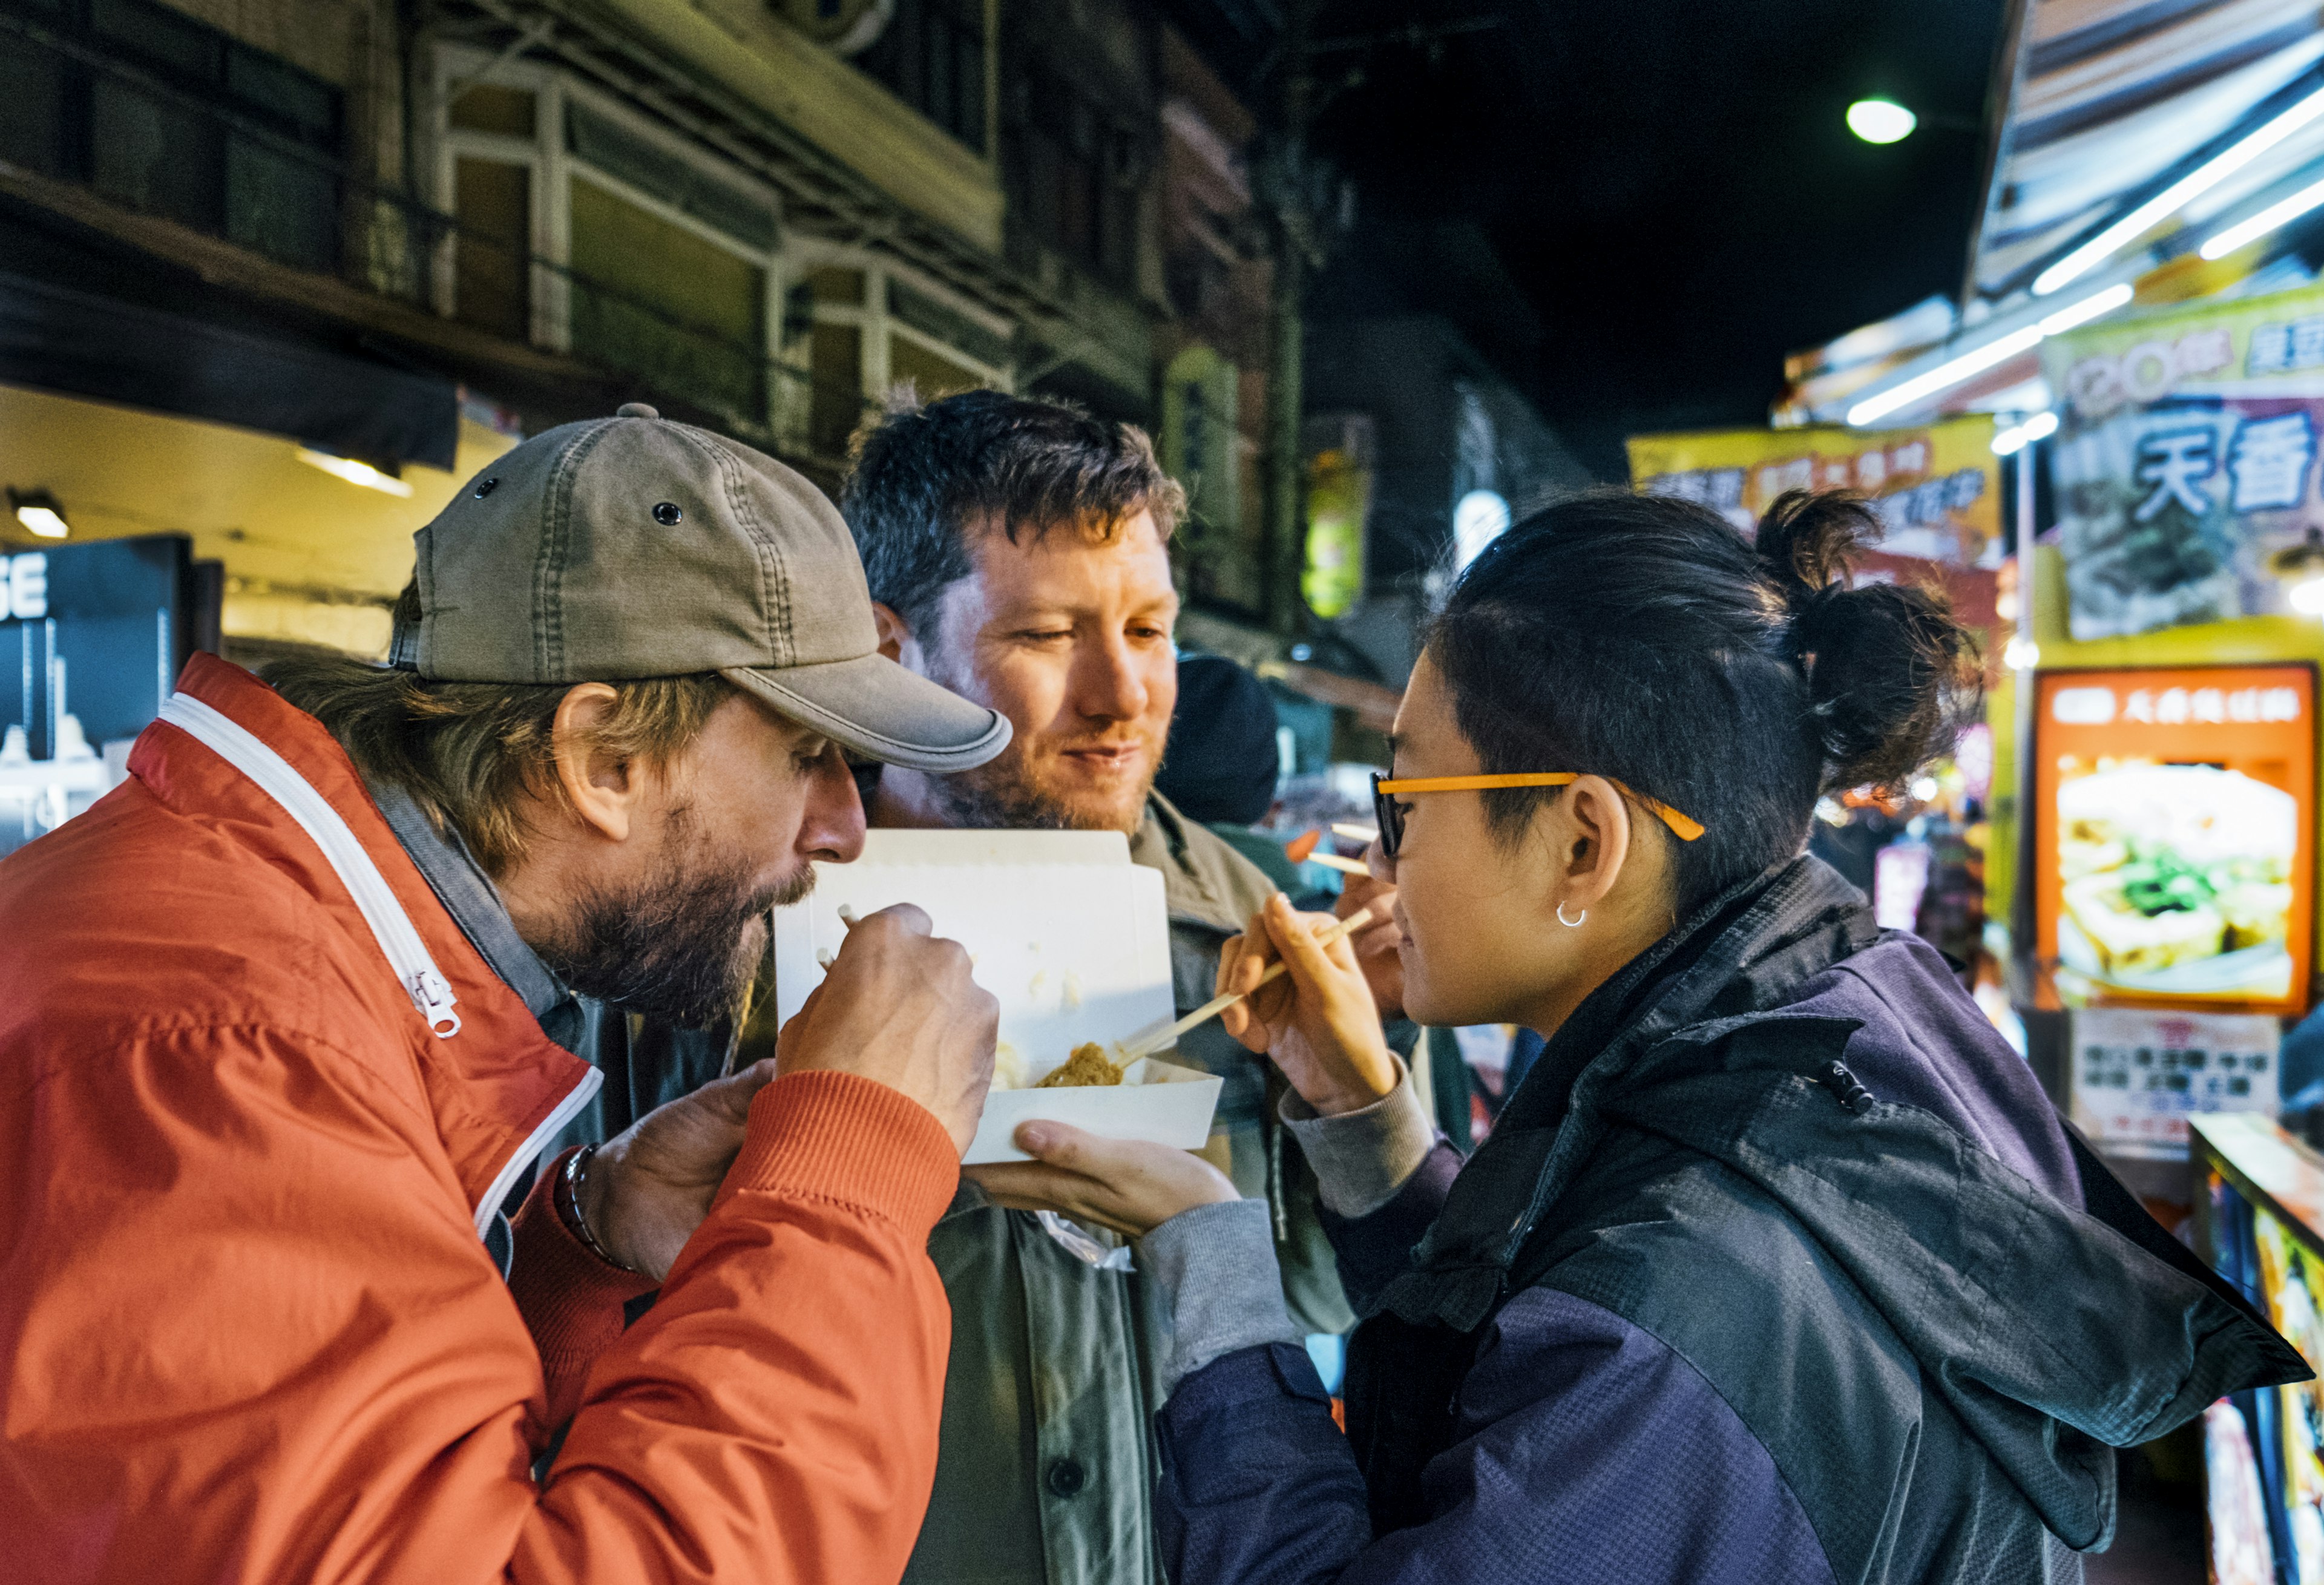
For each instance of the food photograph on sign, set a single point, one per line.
(2185, 456)
(2172, 859)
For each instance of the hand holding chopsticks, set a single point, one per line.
(1152, 1041)
(1323, 1026)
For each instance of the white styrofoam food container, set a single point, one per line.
(1070, 936)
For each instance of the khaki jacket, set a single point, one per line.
(1045, 1474)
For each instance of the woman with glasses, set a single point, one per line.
(1778, 1266)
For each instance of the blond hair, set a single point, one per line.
(476, 755)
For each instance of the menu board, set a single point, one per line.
(2138, 1074)
(2174, 826)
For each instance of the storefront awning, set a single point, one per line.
(2114, 100)
(55, 338)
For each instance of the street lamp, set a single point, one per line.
(1881, 121)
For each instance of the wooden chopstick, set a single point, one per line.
(824, 954)
(1345, 866)
(1146, 1044)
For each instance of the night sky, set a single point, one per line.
(1637, 209)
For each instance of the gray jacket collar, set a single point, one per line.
(468, 894)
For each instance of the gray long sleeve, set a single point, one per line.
(1216, 1264)
(1362, 1157)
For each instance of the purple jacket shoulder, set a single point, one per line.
(1925, 1043)
(1572, 1424)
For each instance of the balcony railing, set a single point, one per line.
(160, 115)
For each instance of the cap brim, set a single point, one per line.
(877, 708)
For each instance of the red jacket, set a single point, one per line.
(248, 1328)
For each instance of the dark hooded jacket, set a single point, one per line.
(1778, 1267)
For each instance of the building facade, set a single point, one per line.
(488, 217)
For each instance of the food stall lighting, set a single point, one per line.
(2199, 180)
(1945, 374)
(1478, 518)
(40, 514)
(1881, 121)
(2265, 221)
(355, 473)
(2018, 437)
(2021, 653)
(2301, 568)
(1976, 361)
(2088, 308)
(1924, 788)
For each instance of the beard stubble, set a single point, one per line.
(679, 945)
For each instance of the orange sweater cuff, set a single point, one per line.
(830, 1135)
(571, 1300)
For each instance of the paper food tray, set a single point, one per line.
(1070, 936)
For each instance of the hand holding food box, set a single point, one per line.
(1071, 937)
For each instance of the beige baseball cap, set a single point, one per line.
(632, 546)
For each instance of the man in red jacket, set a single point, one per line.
(286, 1019)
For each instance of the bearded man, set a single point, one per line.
(1017, 554)
(287, 1019)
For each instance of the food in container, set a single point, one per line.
(1087, 1068)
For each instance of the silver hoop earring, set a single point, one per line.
(1570, 923)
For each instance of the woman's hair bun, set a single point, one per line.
(1892, 678)
(1806, 539)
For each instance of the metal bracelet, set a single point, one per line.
(568, 1206)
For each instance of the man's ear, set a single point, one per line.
(895, 634)
(601, 791)
(1599, 845)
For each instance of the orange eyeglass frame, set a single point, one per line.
(1391, 823)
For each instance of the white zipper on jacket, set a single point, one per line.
(391, 927)
(407, 955)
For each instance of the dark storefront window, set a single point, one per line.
(1080, 179)
(932, 54)
(166, 115)
(493, 264)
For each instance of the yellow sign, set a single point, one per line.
(1339, 498)
(1937, 487)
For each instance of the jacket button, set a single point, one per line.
(1067, 1477)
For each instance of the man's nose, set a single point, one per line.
(1107, 684)
(832, 828)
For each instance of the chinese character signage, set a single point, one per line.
(2174, 834)
(2138, 1074)
(1937, 488)
(2186, 452)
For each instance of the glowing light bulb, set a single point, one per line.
(355, 473)
(1881, 121)
(42, 520)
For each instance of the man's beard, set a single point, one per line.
(1001, 795)
(678, 947)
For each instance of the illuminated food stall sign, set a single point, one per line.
(1937, 488)
(2174, 828)
(2185, 456)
